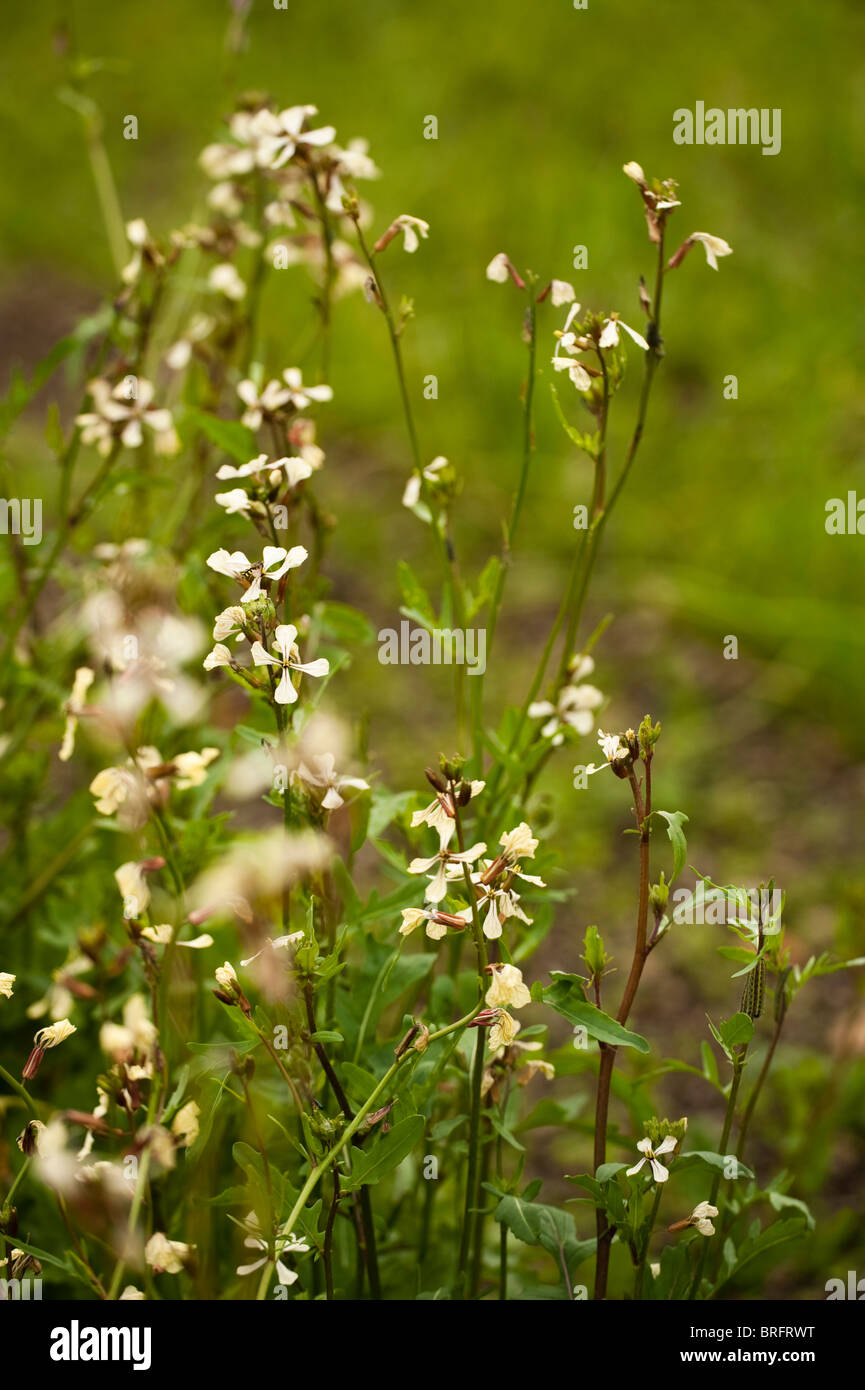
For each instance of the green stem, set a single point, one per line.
(738, 1068)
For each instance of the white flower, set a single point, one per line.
(260, 403)
(274, 564)
(507, 988)
(411, 494)
(410, 227)
(166, 1256)
(322, 776)
(610, 335)
(138, 235)
(284, 640)
(84, 678)
(504, 1030)
(229, 623)
(575, 370)
(226, 977)
(650, 1156)
(519, 843)
(117, 411)
(501, 267)
(573, 709)
(185, 1125)
(192, 767)
(440, 813)
(301, 396)
(131, 1294)
(613, 748)
(282, 134)
(133, 886)
(413, 916)
(286, 1242)
(277, 942)
(6, 983)
(700, 1217)
(447, 866)
(561, 293)
(161, 934)
(55, 1033)
(225, 280)
(234, 501)
(220, 656)
(295, 470)
(714, 246)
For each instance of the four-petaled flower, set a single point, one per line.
(275, 562)
(650, 1156)
(284, 1243)
(284, 639)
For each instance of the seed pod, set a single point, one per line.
(752, 996)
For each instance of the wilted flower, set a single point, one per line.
(700, 1218)
(185, 1125)
(714, 246)
(166, 1256)
(45, 1038)
(501, 267)
(507, 988)
(412, 228)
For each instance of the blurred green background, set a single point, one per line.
(721, 530)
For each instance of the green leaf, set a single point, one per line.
(386, 1154)
(717, 1162)
(230, 436)
(416, 602)
(549, 1227)
(675, 820)
(565, 996)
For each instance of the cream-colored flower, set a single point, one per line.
(226, 977)
(6, 983)
(507, 988)
(84, 678)
(286, 1242)
(519, 843)
(166, 1256)
(284, 639)
(192, 767)
(714, 246)
(55, 1033)
(324, 780)
(504, 1030)
(224, 279)
(650, 1156)
(130, 1293)
(134, 890)
(185, 1126)
(447, 867)
(229, 623)
(701, 1218)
